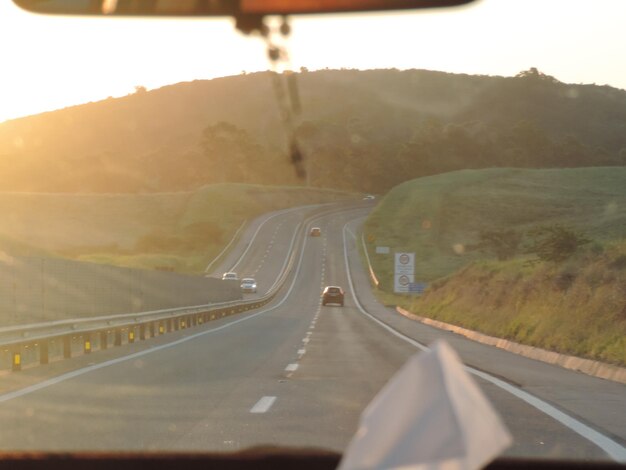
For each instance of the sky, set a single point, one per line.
(52, 62)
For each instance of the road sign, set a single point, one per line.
(382, 250)
(417, 287)
(404, 271)
(402, 282)
(405, 263)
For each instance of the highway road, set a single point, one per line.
(293, 373)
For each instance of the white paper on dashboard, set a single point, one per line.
(430, 415)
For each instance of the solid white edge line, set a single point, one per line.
(251, 242)
(85, 370)
(616, 451)
(206, 270)
(292, 367)
(263, 405)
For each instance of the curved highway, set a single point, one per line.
(292, 373)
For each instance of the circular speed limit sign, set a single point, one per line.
(404, 258)
(404, 280)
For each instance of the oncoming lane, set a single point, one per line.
(196, 393)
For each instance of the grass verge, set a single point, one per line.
(574, 307)
(179, 231)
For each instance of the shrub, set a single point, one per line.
(555, 243)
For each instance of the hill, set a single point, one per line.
(574, 304)
(361, 130)
(179, 231)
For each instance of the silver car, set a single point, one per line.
(248, 285)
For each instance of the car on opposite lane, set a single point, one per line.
(315, 232)
(230, 276)
(248, 285)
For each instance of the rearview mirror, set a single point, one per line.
(222, 7)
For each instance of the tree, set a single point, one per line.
(230, 153)
(555, 243)
(533, 73)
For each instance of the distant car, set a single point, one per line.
(369, 197)
(248, 284)
(315, 232)
(332, 295)
(230, 276)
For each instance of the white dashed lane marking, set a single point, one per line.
(267, 250)
(292, 367)
(263, 405)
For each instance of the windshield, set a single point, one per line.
(463, 172)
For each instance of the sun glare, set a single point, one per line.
(53, 62)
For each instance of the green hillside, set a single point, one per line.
(177, 230)
(575, 305)
(437, 217)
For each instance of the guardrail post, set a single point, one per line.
(87, 344)
(67, 347)
(16, 359)
(199, 319)
(44, 352)
(142, 331)
(161, 328)
(152, 329)
(104, 339)
(118, 337)
(131, 335)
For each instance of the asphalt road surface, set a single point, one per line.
(292, 373)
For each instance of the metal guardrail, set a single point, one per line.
(36, 344)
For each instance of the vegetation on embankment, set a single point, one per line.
(577, 308)
(574, 304)
(180, 231)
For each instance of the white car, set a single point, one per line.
(248, 284)
(230, 276)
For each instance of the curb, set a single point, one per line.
(586, 366)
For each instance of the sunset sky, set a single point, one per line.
(53, 62)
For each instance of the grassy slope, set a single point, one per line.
(576, 307)
(107, 228)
